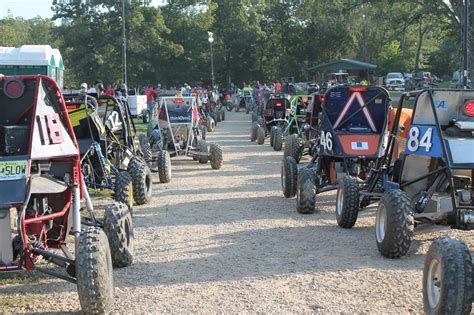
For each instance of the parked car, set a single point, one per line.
(394, 81)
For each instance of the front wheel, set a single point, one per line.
(394, 224)
(447, 278)
(347, 202)
(289, 176)
(306, 191)
(223, 114)
(95, 285)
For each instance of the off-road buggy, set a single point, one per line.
(431, 182)
(109, 156)
(246, 101)
(208, 118)
(176, 129)
(294, 133)
(42, 188)
(273, 121)
(351, 132)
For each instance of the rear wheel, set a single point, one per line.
(254, 132)
(260, 135)
(306, 191)
(216, 117)
(294, 147)
(94, 271)
(394, 224)
(289, 176)
(146, 149)
(123, 189)
(222, 114)
(278, 139)
(164, 166)
(447, 278)
(254, 116)
(215, 156)
(119, 230)
(210, 124)
(347, 202)
(141, 179)
(272, 136)
(202, 147)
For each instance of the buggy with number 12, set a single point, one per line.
(351, 130)
(42, 189)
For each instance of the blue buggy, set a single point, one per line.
(350, 136)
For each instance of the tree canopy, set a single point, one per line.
(254, 39)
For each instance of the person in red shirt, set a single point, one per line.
(110, 90)
(150, 98)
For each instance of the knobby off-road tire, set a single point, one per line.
(254, 116)
(278, 139)
(447, 278)
(215, 156)
(293, 147)
(211, 124)
(289, 176)
(202, 146)
(306, 191)
(164, 166)
(94, 276)
(254, 132)
(141, 179)
(119, 230)
(272, 136)
(123, 189)
(260, 135)
(203, 132)
(216, 117)
(146, 149)
(394, 224)
(347, 202)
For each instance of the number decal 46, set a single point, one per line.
(326, 140)
(423, 140)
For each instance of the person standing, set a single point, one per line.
(150, 98)
(110, 90)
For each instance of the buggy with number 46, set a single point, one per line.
(175, 128)
(42, 189)
(351, 130)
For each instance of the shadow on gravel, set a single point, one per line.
(272, 252)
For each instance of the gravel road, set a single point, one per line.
(228, 241)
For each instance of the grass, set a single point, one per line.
(140, 126)
(21, 277)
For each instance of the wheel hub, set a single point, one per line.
(340, 200)
(434, 283)
(381, 223)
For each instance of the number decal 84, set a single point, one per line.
(416, 141)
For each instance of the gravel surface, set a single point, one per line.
(228, 241)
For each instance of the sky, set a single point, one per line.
(32, 8)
